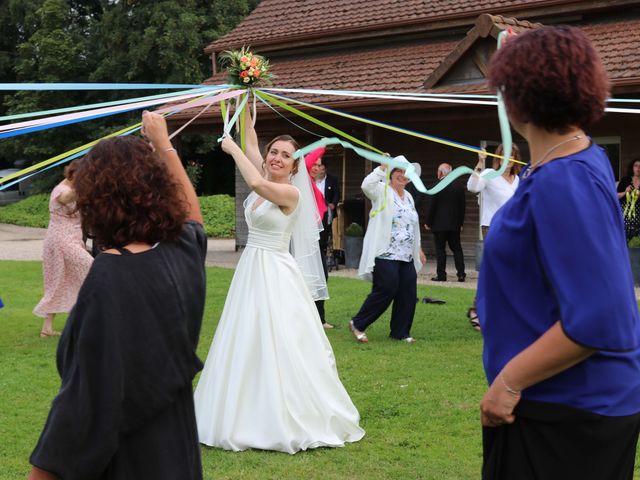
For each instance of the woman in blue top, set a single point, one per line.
(555, 294)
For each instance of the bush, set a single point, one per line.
(218, 212)
(354, 230)
(634, 242)
(33, 211)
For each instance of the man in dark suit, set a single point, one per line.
(328, 186)
(445, 216)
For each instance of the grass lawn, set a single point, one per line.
(419, 403)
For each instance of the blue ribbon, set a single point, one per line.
(104, 104)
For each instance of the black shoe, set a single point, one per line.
(438, 279)
(433, 300)
(461, 278)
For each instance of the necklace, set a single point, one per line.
(533, 166)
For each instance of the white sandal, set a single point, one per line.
(360, 336)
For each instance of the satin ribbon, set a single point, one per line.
(98, 86)
(86, 147)
(30, 126)
(270, 98)
(490, 100)
(229, 125)
(408, 167)
(503, 119)
(56, 111)
(431, 138)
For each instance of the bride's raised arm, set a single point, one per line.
(251, 142)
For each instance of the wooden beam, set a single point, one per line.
(480, 63)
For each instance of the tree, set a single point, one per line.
(114, 41)
(53, 51)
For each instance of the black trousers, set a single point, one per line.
(324, 237)
(441, 239)
(393, 281)
(557, 442)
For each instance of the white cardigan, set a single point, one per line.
(378, 235)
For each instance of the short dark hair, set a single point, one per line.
(551, 77)
(126, 194)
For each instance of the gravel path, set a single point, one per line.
(25, 243)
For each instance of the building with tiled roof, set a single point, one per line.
(417, 46)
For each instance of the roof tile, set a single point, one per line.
(404, 67)
(317, 17)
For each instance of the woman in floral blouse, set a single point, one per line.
(391, 255)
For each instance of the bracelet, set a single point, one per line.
(508, 388)
(170, 149)
(478, 169)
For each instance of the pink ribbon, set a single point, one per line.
(309, 160)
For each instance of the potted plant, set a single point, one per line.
(634, 257)
(353, 238)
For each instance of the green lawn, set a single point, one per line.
(419, 403)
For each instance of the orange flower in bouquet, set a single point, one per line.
(245, 68)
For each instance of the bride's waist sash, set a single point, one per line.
(266, 240)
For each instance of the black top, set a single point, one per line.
(127, 358)
(331, 189)
(446, 208)
(622, 186)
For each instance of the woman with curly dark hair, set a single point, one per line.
(560, 319)
(127, 354)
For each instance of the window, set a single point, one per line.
(611, 146)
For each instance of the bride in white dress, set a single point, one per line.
(270, 380)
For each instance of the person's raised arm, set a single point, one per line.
(251, 142)
(282, 194)
(476, 184)
(373, 185)
(154, 128)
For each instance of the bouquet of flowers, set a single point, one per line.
(245, 68)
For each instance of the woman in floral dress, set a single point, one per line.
(65, 260)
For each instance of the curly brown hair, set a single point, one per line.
(551, 77)
(70, 170)
(126, 194)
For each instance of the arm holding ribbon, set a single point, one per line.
(252, 148)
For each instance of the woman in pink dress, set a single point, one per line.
(65, 260)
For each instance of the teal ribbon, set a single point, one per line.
(410, 171)
(503, 118)
(234, 119)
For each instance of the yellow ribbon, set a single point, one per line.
(379, 124)
(266, 96)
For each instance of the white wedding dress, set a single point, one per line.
(270, 380)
